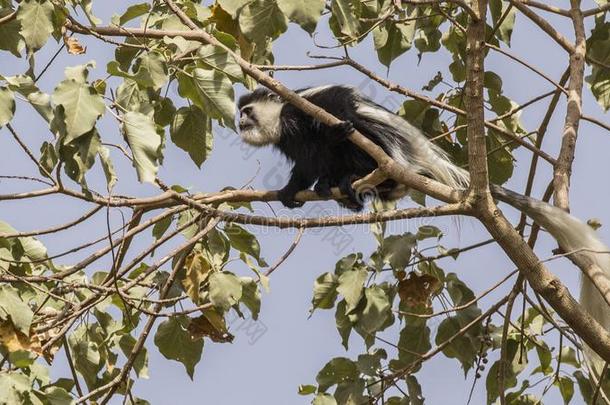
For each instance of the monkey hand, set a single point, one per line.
(354, 201)
(286, 196)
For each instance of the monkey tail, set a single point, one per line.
(573, 236)
(411, 148)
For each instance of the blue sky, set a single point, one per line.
(267, 368)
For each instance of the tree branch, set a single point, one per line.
(475, 69)
(563, 168)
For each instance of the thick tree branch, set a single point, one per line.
(475, 63)
(563, 168)
(596, 10)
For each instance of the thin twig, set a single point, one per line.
(527, 65)
(27, 150)
(54, 229)
(297, 239)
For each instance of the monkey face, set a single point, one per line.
(259, 122)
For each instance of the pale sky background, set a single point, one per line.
(294, 348)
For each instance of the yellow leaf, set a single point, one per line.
(13, 340)
(197, 271)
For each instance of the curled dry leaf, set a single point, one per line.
(211, 325)
(418, 289)
(74, 47)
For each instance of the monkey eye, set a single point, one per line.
(246, 110)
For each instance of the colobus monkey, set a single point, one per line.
(322, 155)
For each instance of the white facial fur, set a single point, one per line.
(267, 131)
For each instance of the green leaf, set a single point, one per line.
(415, 394)
(324, 291)
(344, 323)
(392, 39)
(175, 343)
(14, 387)
(514, 366)
(458, 291)
(244, 241)
(458, 70)
(217, 248)
(87, 7)
(140, 365)
(13, 308)
(219, 59)
(10, 36)
(306, 389)
(30, 247)
(36, 22)
(566, 388)
(187, 216)
(396, 250)
(132, 98)
(58, 396)
(598, 47)
(585, 386)
(145, 144)
(370, 363)
(7, 106)
(132, 12)
(346, 13)
(324, 399)
(351, 284)
(21, 358)
(414, 339)
(107, 166)
(81, 103)
(151, 70)
(351, 392)
(338, 370)
(505, 30)
(463, 348)
(306, 13)
(79, 155)
(86, 354)
(232, 6)
(492, 81)
(160, 227)
(262, 19)
(211, 91)
(568, 356)
(191, 131)
(25, 86)
(164, 111)
(375, 313)
(225, 290)
(251, 296)
(544, 356)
